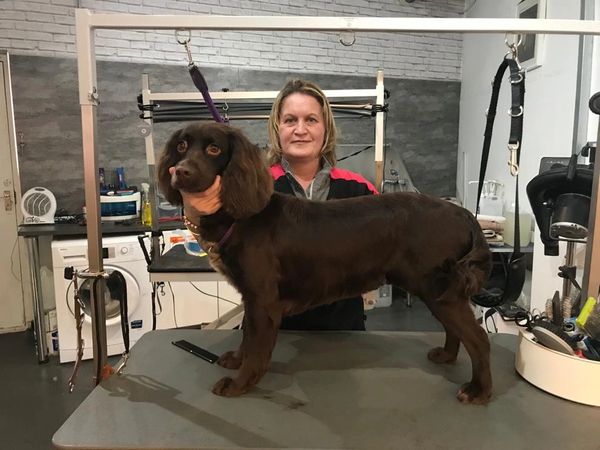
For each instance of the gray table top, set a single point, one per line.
(328, 390)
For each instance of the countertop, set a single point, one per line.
(67, 230)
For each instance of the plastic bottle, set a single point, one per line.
(509, 226)
(146, 208)
(492, 198)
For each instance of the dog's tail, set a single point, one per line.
(474, 268)
(464, 276)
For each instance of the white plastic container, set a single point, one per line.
(565, 376)
(509, 226)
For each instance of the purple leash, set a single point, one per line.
(198, 78)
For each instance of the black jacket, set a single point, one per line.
(346, 314)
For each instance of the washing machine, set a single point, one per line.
(122, 253)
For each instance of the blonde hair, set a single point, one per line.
(308, 88)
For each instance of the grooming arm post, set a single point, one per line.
(379, 131)
(88, 99)
(151, 161)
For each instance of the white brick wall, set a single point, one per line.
(47, 28)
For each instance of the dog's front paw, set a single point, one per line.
(440, 356)
(229, 360)
(473, 393)
(227, 387)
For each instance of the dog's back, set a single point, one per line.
(413, 240)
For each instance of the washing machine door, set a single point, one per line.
(111, 305)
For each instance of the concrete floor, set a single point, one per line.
(35, 401)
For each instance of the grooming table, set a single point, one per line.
(326, 390)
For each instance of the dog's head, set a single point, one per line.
(201, 152)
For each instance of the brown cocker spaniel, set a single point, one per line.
(286, 255)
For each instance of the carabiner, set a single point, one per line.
(512, 160)
(186, 43)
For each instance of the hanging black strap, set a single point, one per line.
(517, 264)
(517, 81)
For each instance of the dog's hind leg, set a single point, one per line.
(261, 324)
(458, 319)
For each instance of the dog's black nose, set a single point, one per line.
(182, 172)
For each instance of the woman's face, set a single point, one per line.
(301, 128)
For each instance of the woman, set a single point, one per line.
(302, 138)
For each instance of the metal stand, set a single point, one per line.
(591, 275)
(86, 23)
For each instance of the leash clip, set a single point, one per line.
(513, 48)
(185, 41)
(512, 160)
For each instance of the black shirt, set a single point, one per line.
(346, 314)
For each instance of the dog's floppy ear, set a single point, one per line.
(246, 184)
(170, 156)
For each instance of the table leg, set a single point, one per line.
(33, 253)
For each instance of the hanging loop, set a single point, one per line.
(515, 111)
(185, 41)
(347, 38)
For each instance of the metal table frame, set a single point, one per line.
(86, 23)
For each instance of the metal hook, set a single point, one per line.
(185, 42)
(343, 38)
(513, 45)
(181, 40)
(512, 161)
(225, 108)
(514, 48)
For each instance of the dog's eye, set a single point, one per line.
(182, 146)
(213, 150)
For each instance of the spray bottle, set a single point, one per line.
(146, 208)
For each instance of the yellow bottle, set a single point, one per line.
(146, 208)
